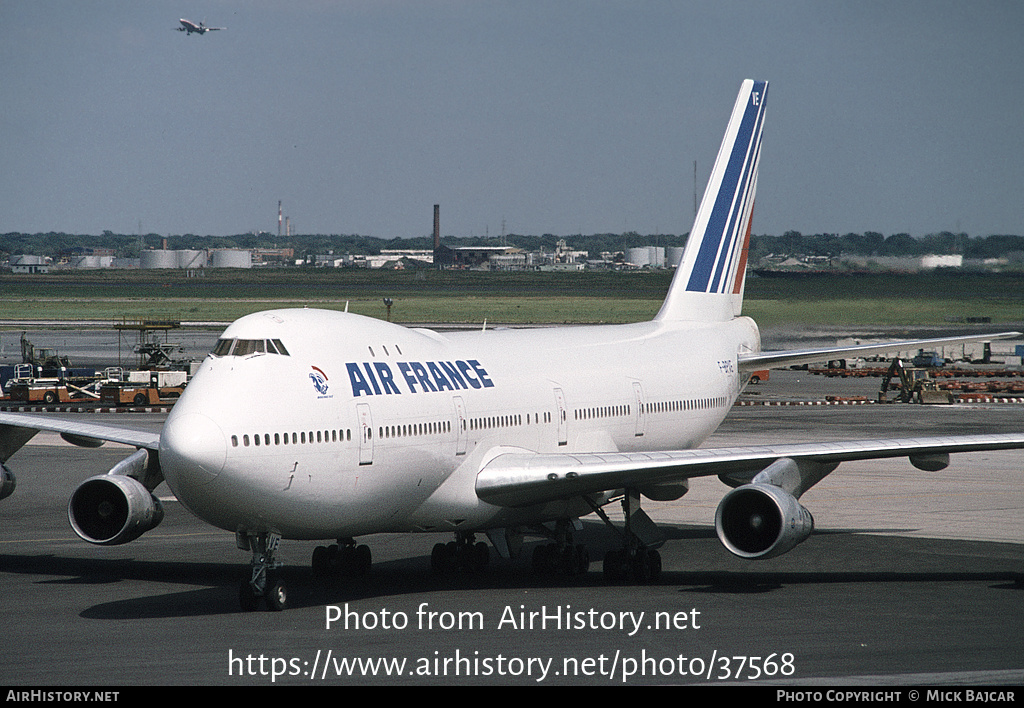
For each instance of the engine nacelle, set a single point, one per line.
(112, 509)
(761, 521)
(7, 482)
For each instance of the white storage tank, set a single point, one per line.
(232, 258)
(673, 254)
(191, 259)
(92, 262)
(638, 256)
(158, 259)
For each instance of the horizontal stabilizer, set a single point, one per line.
(797, 357)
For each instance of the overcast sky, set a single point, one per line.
(547, 116)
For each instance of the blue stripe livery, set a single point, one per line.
(715, 268)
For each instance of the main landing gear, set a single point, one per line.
(562, 556)
(638, 558)
(342, 559)
(464, 553)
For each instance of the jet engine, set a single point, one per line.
(761, 521)
(111, 509)
(7, 482)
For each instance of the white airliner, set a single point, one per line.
(190, 27)
(373, 427)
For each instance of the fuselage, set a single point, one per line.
(320, 424)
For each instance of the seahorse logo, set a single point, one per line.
(319, 379)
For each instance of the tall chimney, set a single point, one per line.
(437, 226)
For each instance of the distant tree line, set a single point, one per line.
(792, 242)
(875, 244)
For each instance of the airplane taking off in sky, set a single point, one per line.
(375, 427)
(190, 27)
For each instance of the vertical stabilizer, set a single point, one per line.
(708, 284)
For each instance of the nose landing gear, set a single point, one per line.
(264, 583)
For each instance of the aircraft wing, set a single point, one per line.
(756, 361)
(16, 429)
(517, 478)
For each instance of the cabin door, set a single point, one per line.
(365, 434)
(641, 423)
(563, 417)
(460, 426)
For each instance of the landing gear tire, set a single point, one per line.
(461, 554)
(277, 595)
(336, 560)
(321, 562)
(646, 565)
(442, 560)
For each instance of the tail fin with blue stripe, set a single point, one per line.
(708, 284)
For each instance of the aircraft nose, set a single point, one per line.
(193, 450)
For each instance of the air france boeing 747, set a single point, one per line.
(381, 428)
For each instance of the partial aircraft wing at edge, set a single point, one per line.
(766, 360)
(18, 428)
(516, 478)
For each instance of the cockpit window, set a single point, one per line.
(245, 347)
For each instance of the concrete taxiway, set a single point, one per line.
(911, 577)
